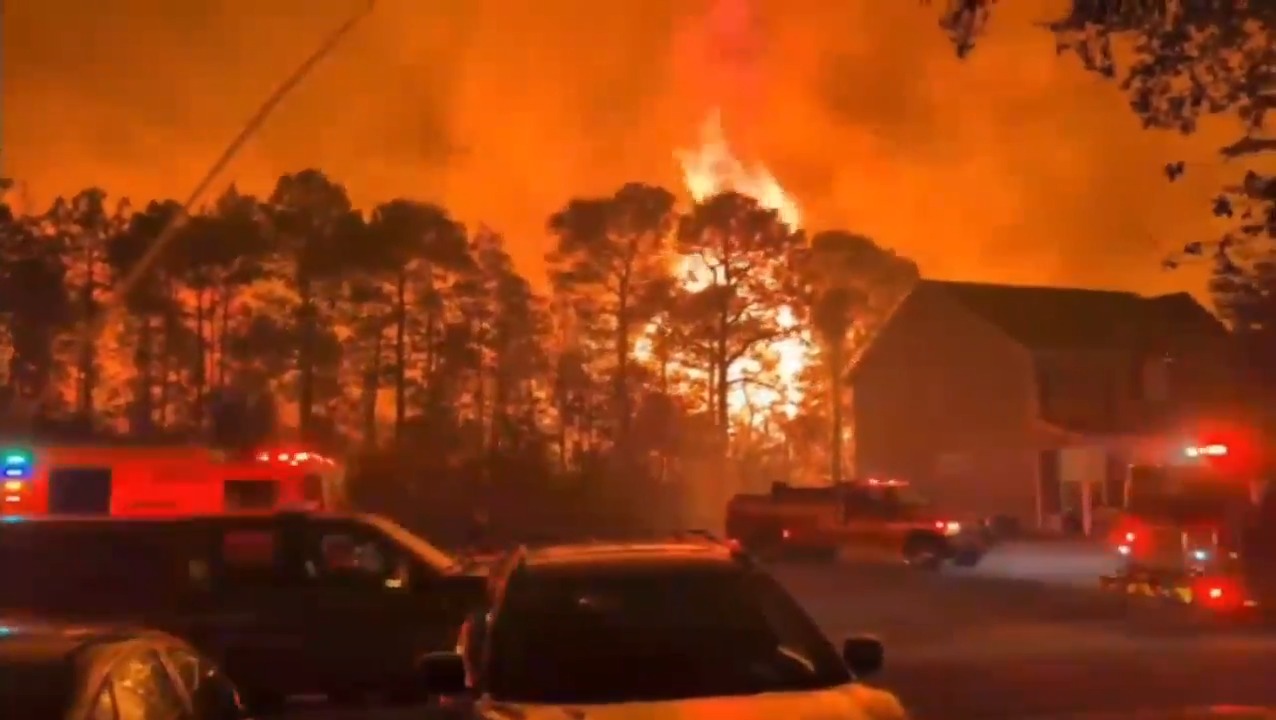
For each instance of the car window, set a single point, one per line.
(859, 503)
(433, 559)
(209, 690)
(188, 666)
(249, 556)
(350, 555)
(144, 690)
(104, 705)
(653, 634)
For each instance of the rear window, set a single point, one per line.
(1184, 493)
(251, 495)
(74, 568)
(653, 634)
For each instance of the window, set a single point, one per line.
(249, 548)
(652, 634)
(857, 503)
(249, 556)
(350, 556)
(211, 693)
(251, 495)
(312, 488)
(144, 690)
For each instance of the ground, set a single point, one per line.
(1030, 634)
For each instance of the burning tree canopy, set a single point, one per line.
(724, 309)
(674, 333)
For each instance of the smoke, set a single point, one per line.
(1013, 166)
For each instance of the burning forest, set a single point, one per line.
(675, 334)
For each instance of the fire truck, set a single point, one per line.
(1184, 530)
(133, 481)
(870, 516)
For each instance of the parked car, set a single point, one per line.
(287, 603)
(54, 671)
(678, 629)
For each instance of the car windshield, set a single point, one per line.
(654, 634)
(1184, 494)
(434, 557)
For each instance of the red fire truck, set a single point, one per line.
(132, 481)
(873, 515)
(1182, 532)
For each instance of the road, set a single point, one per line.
(985, 646)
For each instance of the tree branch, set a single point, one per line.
(1248, 146)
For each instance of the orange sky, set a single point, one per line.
(1012, 166)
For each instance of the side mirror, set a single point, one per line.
(863, 655)
(217, 700)
(442, 673)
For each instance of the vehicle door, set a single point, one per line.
(878, 520)
(861, 519)
(899, 515)
(370, 606)
(142, 688)
(110, 571)
(252, 622)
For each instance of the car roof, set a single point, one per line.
(26, 641)
(604, 557)
(212, 517)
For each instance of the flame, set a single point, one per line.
(707, 170)
(712, 168)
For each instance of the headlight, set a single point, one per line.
(1200, 555)
(951, 527)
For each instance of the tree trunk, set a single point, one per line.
(400, 353)
(305, 357)
(87, 357)
(143, 420)
(223, 337)
(201, 354)
(835, 398)
(371, 388)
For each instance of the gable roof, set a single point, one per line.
(1043, 318)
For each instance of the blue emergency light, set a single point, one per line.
(16, 464)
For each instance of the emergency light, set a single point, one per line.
(16, 464)
(1214, 450)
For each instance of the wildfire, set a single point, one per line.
(707, 170)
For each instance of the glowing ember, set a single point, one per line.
(708, 170)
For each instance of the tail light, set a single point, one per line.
(1219, 593)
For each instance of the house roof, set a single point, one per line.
(1043, 318)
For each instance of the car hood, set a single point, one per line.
(849, 702)
(1215, 712)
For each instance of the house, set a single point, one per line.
(1030, 401)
